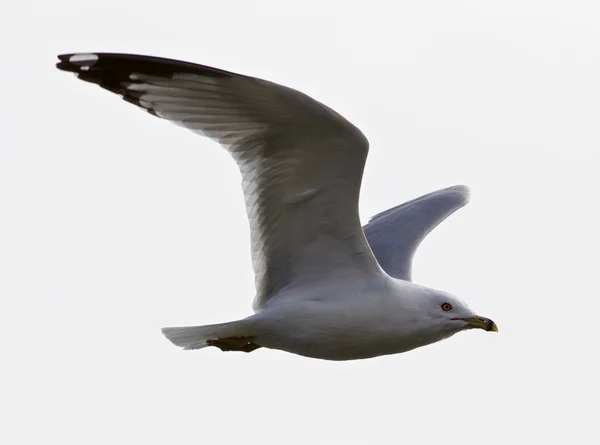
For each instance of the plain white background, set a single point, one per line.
(114, 224)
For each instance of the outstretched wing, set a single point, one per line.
(301, 162)
(395, 235)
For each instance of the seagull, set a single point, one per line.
(326, 288)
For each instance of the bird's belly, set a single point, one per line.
(331, 331)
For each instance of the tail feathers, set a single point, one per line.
(197, 337)
(193, 337)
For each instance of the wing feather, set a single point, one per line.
(301, 162)
(395, 234)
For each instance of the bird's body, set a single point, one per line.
(358, 318)
(320, 289)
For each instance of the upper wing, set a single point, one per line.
(395, 234)
(301, 162)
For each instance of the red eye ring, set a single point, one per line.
(446, 307)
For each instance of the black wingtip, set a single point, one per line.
(65, 57)
(76, 62)
(113, 71)
(157, 66)
(63, 65)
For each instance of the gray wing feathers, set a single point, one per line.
(395, 234)
(301, 162)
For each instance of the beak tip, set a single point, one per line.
(479, 322)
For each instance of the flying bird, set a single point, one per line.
(326, 287)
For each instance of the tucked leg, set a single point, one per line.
(243, 344)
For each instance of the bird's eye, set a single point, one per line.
(446, 307)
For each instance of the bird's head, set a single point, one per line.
(449, 315)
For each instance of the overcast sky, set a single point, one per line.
(114, 224)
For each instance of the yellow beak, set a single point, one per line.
(478, 322)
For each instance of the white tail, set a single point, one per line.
(196, 337)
